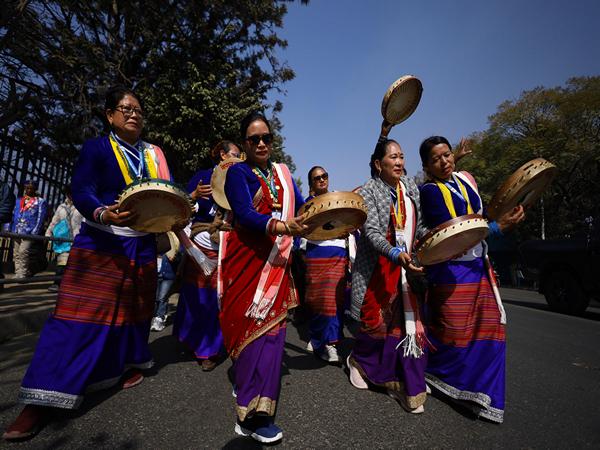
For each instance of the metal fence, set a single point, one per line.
(19, 163)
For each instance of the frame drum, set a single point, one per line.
(400, 101)
(334, 215)
(523, 187)
(157, 204)
(451, 239)
(217, 182)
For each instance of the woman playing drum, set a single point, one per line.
(197, 319)
(255, 277)
(466, 319)
(388, 351)
(325, 277)
(101, 322)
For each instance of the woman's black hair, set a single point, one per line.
(379, 154)
(115, 94)
(246, 121)
(312, 169)
(428, 144)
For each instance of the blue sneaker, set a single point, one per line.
(259, 428)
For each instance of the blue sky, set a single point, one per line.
(470, 55)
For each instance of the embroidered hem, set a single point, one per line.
(258, 404)
(63, 400)
(482, 402)
(413, 401)
(49, 398)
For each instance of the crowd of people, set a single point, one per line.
(438, 327)
(27, 216)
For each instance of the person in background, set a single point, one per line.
(65, 224)
(196, 321)
(167, 260)
(325, 278)
(7, 204)
(28, 218)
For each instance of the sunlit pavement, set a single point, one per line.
(553, 393)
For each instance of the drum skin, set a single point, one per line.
(524, 187)
(401, 99)
(217, 182)
(157, 205)
(334, 215)
(451, 239)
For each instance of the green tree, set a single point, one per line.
(560, 124)
(198, 65)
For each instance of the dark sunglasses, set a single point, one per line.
(322, 177)
(256, 138)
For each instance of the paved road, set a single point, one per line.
(553, 398)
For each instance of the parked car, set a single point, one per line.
(567, 270)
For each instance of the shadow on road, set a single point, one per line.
(168, 350)
(590, 315)
(243, 443)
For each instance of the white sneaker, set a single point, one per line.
(332, 354)
(356, 378)
(309, 347)
(158, 324)
(329, 354)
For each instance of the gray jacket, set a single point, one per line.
(373, 240)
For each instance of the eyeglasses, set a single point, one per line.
(128, 111)
(322, 177)
(256, 138)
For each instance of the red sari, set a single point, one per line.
(241, 266)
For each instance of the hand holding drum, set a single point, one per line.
(114, 216)
(151, 206)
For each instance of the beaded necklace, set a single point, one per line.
(270, 182)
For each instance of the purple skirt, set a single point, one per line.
(257, 374)
(468, 362)
(383, 365)
(197, 319)
(101, 322)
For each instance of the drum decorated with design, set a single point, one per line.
(524, 187)
(156, 204)
(334, 215)
(451, 239)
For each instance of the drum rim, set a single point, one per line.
(410, 108)
(221, 198)
(174, 195)
(359, 206)
(140, 181)
(319, 198)
(496, 204)
(445, 225)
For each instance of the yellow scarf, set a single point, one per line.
(150, 164)
(448, 197)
